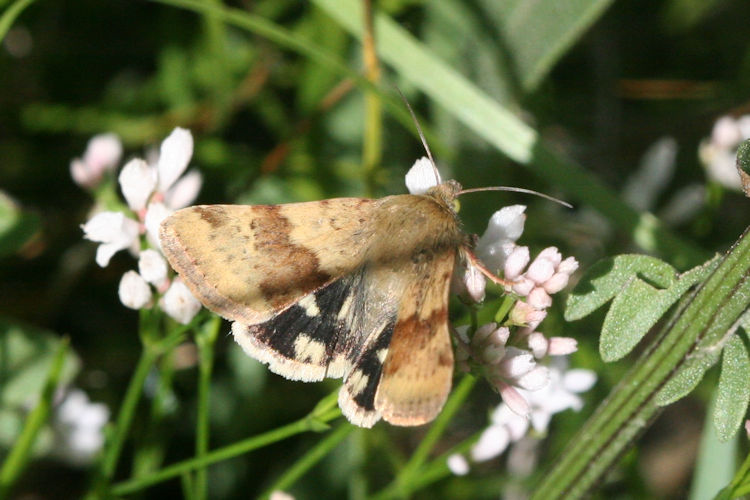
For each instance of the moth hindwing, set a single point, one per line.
(347, 287)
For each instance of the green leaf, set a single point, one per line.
(537, 34)
(734, 390)
(687, 377)
(637, 309)
(26, 354)
(16, 227)
(610, 276)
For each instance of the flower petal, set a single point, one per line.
(137, 181)
(422, 176)
(174, 156)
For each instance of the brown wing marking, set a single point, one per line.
(248, 262)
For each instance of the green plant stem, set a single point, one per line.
(312, 457)
(429, 473)
(205, 340)
(459, 394)
(10, 15)
(704, 320)
(312, 422)
(18, 457)
(373, 144)
(150, 353)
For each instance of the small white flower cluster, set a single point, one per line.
(513, 357)
(507, 426)
(152, 192)
(718, 153)
(78, 428)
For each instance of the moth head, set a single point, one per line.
(446, 192)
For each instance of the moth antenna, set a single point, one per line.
(516, 190)
(421, 135)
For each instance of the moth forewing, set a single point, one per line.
(249, 262)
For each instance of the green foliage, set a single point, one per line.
(562, 97)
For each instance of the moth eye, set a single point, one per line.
(456, 206)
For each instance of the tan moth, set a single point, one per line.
(348, 288)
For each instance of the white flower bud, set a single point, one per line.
(152, 267)
(457, 464)
(134, 292)
(493, 441)
(179, 303)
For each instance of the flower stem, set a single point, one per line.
(312, 422)
(205, 340)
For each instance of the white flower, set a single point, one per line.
(174, 157)
(137, 181)
(152, 267)
(422, 176)
(179, 303)
(499, 240)
(78, 426)
(184, 191)
(508, 425)
(114, 231)
(718, 154)
(102, 153)
(134, 292)
(458, 464)
(155, 214)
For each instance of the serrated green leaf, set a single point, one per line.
(636, 310)
(25, 357)
(687, 377)
(16, 227)
(610, 276)
(733, 393)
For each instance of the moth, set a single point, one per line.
(348, 288)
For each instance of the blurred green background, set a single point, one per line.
(276, 118)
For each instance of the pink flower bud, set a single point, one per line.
(523, 286)
(539, 299)
(540, 270)
(557, 282)
(475, 283)
(516, 262)
(560, 346)
(515, 401)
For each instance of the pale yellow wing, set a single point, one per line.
(248, 262)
